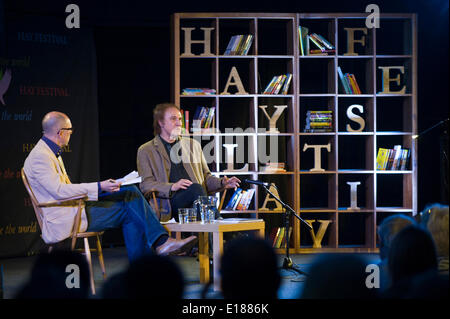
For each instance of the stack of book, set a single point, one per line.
(240, 200)
(239, 45)
(198, 91)
(324, 47)
(273, 168)
(319, 121)
(278, 237)
(348, 82)
(203, 118)
(279, 84)
(393, 159)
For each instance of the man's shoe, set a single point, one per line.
(174, 247)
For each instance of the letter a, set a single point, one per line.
(237, 82)
(73, 280)
(73, 19)
(373, 279)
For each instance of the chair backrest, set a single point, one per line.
(37, 209)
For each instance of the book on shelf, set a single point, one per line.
(393, 159)
(285, 240)
(198, 91)
(278, 237)
(348, 82)
(323, 45)
(239, 45)
(324, 42)
(273, 168)
(320, 52)
(240, 200)
(355, 84)
(287, 82)
(203, 118)
(279, 83)
(343, 81)
(318, 121)
(302, 39)
(404, 159)
(233, 199)
(382, 157)
(397, 157)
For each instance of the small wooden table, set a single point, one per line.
(217, 229)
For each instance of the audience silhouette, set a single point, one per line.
(389, 227)
(412, 252)
(52, 278)
(151, 276)
(249, 269)
(338, 276)
(435, 218)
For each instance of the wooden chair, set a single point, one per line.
(151, 196)
(76, 229)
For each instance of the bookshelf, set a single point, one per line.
(390, 118)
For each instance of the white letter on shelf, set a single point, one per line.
(317, 155)
(188, 42)
(387, 80)
(351, 40)
(356, 118)
(353, 195)
(273, 120)
(237, 82)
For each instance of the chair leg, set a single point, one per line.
(100, 257)
(89, 260)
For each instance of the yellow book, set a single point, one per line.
(382, 157)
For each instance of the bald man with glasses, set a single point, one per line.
(109, 205)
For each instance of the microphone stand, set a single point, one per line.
(287, 262)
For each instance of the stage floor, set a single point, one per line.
(17, 270)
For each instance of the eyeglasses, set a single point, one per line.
(66, 129)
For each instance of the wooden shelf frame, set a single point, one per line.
(371, 212)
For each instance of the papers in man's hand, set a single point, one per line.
(172, 221)
(132, 178)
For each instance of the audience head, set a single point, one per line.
(151, 276)
(158, 115)
(435, 218)
(337, 276)
(388, 228)
(249, 269)
(59, 274)
(412, 252)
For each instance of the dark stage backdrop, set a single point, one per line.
(43, 67)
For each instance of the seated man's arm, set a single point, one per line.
(44, 175)
(149, 181)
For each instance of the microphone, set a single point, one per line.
(256, 182)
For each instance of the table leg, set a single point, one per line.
(261, 232)
(203, 257)
(217, 253)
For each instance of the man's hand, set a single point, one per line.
(232, 182)
(181, 184)
(110, 185)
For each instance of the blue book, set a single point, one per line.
(343, 81)
(233, 199)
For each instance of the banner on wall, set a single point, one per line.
(44, 67)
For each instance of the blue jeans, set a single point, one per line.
(129, 210)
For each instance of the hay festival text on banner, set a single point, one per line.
(44, 66)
